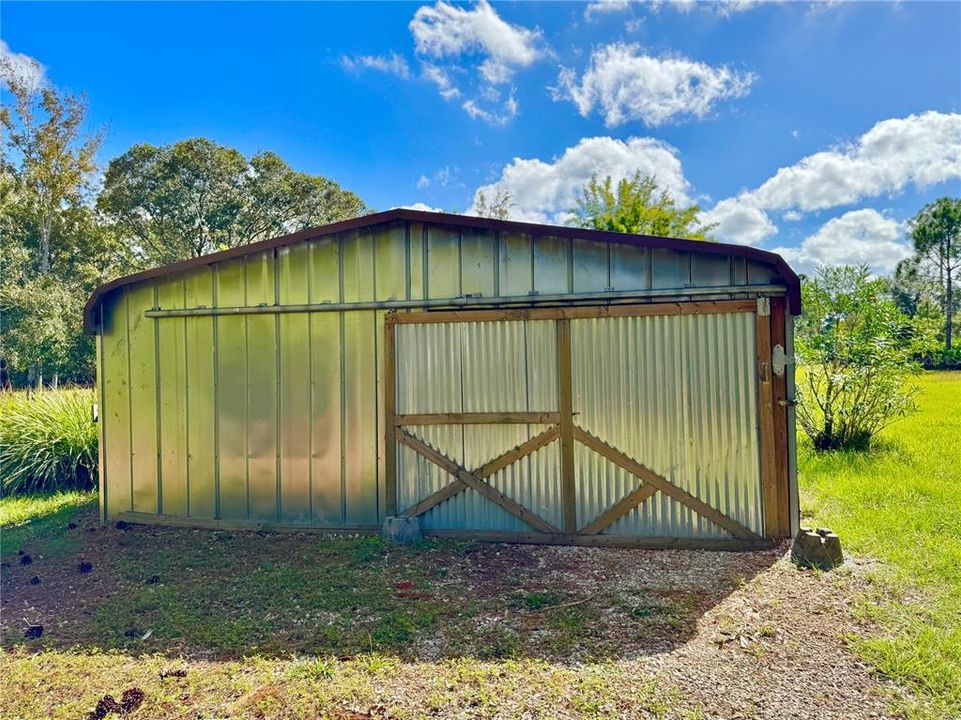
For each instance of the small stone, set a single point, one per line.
(35, 580)
(401, 530)
(85, 567)
(25, 559)
(33, 632)
(819, 549)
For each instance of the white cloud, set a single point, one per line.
(422, 182)
(626, 84)
(919, 150)
(597, 7)
(20, 68)
(503, 116)
(476, 44)
(444, 31)
(441, 79)
(420, 206)
(856, 237)
(546, 191)
(725, 8)
(739, 220)
(392, 63)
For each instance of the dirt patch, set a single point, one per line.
(726, 635)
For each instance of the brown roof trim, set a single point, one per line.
(768, 258)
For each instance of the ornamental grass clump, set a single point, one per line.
(48, 441)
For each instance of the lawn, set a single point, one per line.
(211, 624)
(902, 505)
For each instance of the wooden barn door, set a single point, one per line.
(621, 425)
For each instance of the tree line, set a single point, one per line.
(68, 225)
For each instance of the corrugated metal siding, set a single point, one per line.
(676, 393)
(278, 418)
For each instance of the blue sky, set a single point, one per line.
(815, 130)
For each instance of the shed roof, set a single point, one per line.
(790, 278)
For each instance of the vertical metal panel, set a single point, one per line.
(295, 366)
(516, 268)
(591, 266)
(478, 260)
(262, 374)
(551, 264)
(677, 394)
(325, 384)
(173, 399)
(758, 274)
(416, 258)
(669, 268)
(708, 270)
(201, 418)
(115, 413)
(443, 261)
(630, 267)
(390, 266)
(360, 417)
(232, 393)
(360, 384)
(143, 398)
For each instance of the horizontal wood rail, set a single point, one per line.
(489, 418)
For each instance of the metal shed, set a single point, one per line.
(499, 380)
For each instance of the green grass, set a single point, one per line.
(34, 519)
(48, 441)
(901, 504)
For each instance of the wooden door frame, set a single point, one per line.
(772, 421)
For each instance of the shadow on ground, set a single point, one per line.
(222, 595)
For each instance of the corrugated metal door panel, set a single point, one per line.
(295, 366)
(676, 393)
(201, 418)
(172, 356)
(115, 414)
(143, 398)
(478, 367)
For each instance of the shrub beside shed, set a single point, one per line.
(498, 380)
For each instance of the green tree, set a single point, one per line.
(195, 197)
(635, 205)
(855, 359)
(936, 232)
(53, 252)
(497, 207)
(48, 161)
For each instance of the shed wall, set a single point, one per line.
(278, 418)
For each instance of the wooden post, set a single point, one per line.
(565, 389)
(390, 401)
(779, 388)
(765, 404)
